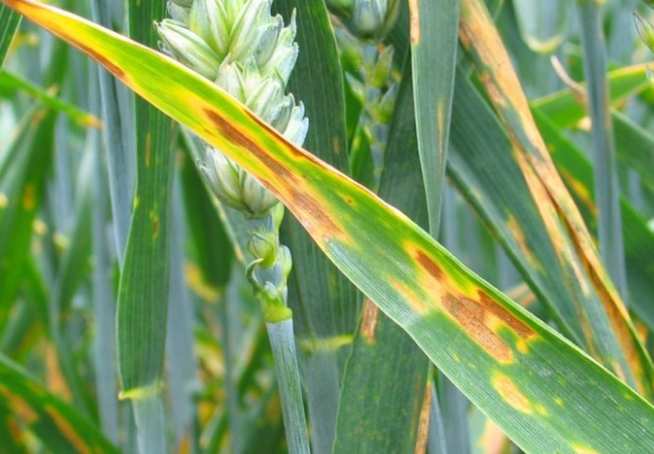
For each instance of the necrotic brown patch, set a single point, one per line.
(517, 325)
(308, 210)
(240, 139)
(476, 319)
(470, 314)
(429, 265)
(111, 67)
(295, 151)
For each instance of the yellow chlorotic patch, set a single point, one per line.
(522, 346)
(558, 401)
(414, 301)
(198, 285)
(578, 449)
(29, 197)
(39, 227)
(148, 150)
(4, 201)
(140, 393)
(155, 223)
(541, 410)
(92, 121)
(327, 344)
(441, 107)
(520, 239)
(581, 191)
(61, 241)
(511, 393)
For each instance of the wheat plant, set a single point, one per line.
(328, 226)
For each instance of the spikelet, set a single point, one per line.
(250, 53)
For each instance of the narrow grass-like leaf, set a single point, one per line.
(324, 302)
(485, 170)
(639, 239)
(566, 108)
(544, 392)
(9, 21)
(434, 28)
(607, 190)
(56, 424)
(382, 400)
(11, 83)
(180, 357)
(22, 185)
(73, 269)
(145, 279)
(104, 310)
(116, 142)
(543, 25)
(635, 147)
(480, 37)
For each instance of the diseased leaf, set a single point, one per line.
(434, 27)
(481, 39)
(545, 393)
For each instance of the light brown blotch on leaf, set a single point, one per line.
(511, 394)
(478, 317)
(369, 321)
(415, 21)
(309, 211)
(423, 421)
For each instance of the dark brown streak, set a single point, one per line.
(292, 149)
(303, 203)
(111, 67)
(237, 137)
(429, 265)
(470, 315)
(522, 329)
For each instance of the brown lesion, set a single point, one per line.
(415, 22)
(521, 241)
(310, 212)
(237, 137)
(292, 149)
(429, 265)
(422, 436)
(476, 318)
(369, 321)
(104, 61)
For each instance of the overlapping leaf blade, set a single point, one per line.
(58, 426)
(9, 22)
(478, 34)
(379, 411)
